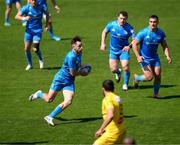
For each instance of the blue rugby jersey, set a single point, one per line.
(71, 61)
(119, 35)
(34, 24)
(149, 42)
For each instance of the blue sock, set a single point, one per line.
(126, 77)
(139, 78)
(6, 20)
(51, 32)
(23, 21)
(156, 88)
(55, 112)
(28, 57)
(40, 95)
(39, 54)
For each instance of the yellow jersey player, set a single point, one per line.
(112, 130)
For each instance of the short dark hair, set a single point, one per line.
(124, 13)
(154, 17)
(108, 85)
(75, 39)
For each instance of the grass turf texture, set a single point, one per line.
(148, 120)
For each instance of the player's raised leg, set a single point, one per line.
(46, 97)
(68, 97)
(146, 76)
(113, 64)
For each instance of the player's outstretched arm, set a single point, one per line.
(47, 21)
(103, 41)
(166, 51)
(135, 49)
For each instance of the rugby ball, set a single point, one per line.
(84, 70)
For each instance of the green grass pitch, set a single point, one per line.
(148, 120)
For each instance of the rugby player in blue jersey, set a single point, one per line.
(149, 38)
(32, 13)
(57, 8)
(120, 31)
(63, 81)
(9, 8)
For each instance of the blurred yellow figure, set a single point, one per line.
(112, 130)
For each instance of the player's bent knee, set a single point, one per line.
(36, 47)
(149, 77)
(48, 99)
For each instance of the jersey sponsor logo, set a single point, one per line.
(125, 32)
(151, 40)
(118, 36)
(147, 37)
(152, 43)
(132, 31)
(113, 30)
(158, 37)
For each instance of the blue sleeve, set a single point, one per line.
(45, 8)
(133, 35)
(163, 36)
(140, 36)
(130, 30)
(108, 27)
(23, 10)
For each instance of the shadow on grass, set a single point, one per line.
(65, 39)
(166, 97)
(62, 39)
(51, 68)
(23, 143)
(77, 120)
(83, 120)
(150, 86)
(130, 116)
